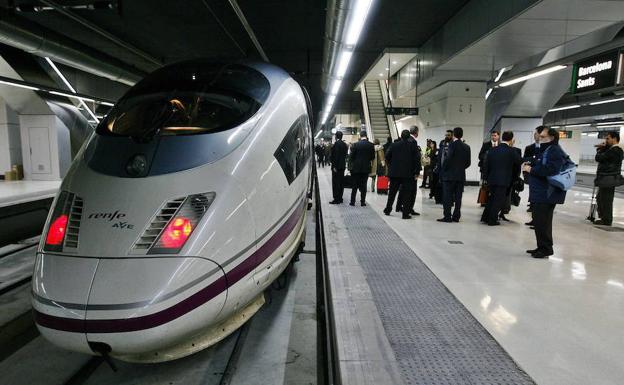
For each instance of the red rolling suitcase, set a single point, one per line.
(382, 184)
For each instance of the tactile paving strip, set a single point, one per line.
(434, 337)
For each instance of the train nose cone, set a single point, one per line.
(143, 306)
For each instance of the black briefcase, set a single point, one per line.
(347, 182)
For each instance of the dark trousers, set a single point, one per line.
(453, 192)
(404, 187)
(359, 183)
(338, 184)
(407, 197)
(495, 204)
(604, 204)
(426, 176)
(433, 184)
(542, 220)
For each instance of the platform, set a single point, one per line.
(414, 297)
(22, 191)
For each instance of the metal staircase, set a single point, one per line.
(377, 114)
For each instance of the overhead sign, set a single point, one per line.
(596, 73)
(401, 110)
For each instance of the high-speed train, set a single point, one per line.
(186, 203)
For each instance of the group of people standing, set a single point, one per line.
(501, 166)
(322, 152)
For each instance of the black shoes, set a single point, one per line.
(406, 217)
(494, 224)
(398, 209)
(455, 220)
(351, 203)
(503, 218)
(541, 254)
(387, 212)
(414, 213)
(445, 220)
(600, 222)
(363, 204)
(335, 202)
(529, 223)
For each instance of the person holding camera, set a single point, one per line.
(542, 195)
(608, 176)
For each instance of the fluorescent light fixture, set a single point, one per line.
(318, 133)
(500, 74)
(616, 123)
(19, 85)
(343, 63)
(555, 126)
(358, 15)
(335, 87)
(487, 94)
(394, 62)
(577, 125)
(106, 103)
(387, 69)
(72, 96)
(533, 75)
(330, 101)
(58, 72)
(606, 101)
(564, 108)
(68, 84)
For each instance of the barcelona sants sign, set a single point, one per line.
(596, 73)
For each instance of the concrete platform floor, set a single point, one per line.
(561, 319)
(20, 191)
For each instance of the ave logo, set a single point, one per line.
(123, 225)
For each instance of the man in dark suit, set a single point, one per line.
(362, 154)
(499, 167)
(403, 161)
(530, 152)
(338, 158)
(442, 153)
(411, 199)
(485, 148)
(454, 175)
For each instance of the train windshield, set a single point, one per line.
(191, 98)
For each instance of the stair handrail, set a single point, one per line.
(385, 93)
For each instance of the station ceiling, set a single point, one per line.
(290, 32)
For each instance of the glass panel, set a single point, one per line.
(190, 98)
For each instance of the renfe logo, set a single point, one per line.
(109, 216)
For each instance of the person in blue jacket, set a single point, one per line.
(542, 195)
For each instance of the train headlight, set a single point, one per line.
(181, 224)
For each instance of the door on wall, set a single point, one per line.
(39, 140)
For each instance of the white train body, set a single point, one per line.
(170, 236)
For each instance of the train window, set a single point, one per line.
(191, 98)
(294, 151)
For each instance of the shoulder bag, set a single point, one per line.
(566, 178)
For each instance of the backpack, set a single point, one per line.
(566, 178)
